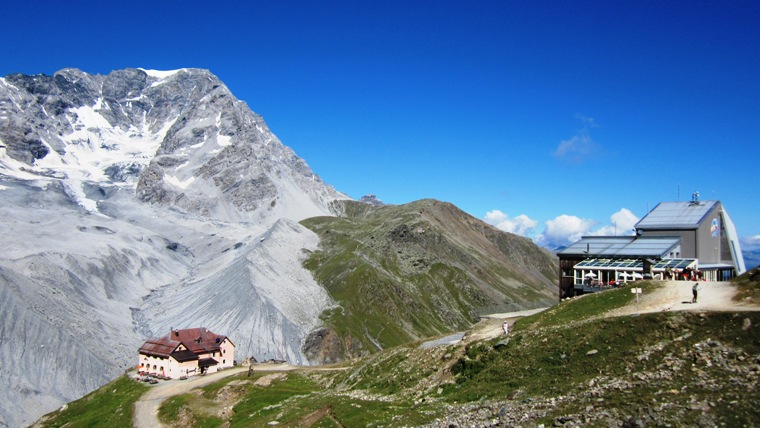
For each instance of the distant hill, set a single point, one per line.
(405, 272)
(751, 258)
(371, 199)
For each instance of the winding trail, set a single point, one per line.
(676, 296)
(146, 408)
(672, 296)
(490, 325)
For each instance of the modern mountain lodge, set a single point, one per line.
(187, 352)
(676, 240)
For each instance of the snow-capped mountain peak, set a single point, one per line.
(202, 150)
(196, 206)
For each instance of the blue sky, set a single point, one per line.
(551, 119)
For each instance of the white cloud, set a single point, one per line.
(563, 230)
(566, 229)
(622, 223)
(577, 149)
(520, 225)
(494, 217)
(580, 147)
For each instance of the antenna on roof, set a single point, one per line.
(695, 198)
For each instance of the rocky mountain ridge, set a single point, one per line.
(405, 272)
(143, 200)
(138, 201)
(179, 138)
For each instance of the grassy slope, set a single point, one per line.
(565, 364)
(110, 406)
(749, 287)
(686, 369)
(421, 269)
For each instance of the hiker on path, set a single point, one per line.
(694, 292)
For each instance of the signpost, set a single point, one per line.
(636, 291)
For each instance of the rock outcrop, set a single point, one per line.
(136, 202)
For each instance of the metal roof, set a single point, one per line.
(609, 264)
(713, 266)
(196, 340)
(633, 264)
(622, 246)
(184, 355)
(199, 340)
(676, 215)
(206, 362)
(679, 264)
(159, 347)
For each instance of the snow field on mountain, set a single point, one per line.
(135, 202)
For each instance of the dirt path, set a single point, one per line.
(676, 296)
(492, 325)
(146, 409)
(672, 296)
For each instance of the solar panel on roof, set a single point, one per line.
(674, 263)
(676, 214)
(619, 247)
(630, 264)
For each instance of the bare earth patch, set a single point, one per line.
(268, 379)
(492, 325)
(676, 296)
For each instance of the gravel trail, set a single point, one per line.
(146, 409)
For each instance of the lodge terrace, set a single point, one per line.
(676, 240)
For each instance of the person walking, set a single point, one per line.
(694, 292)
